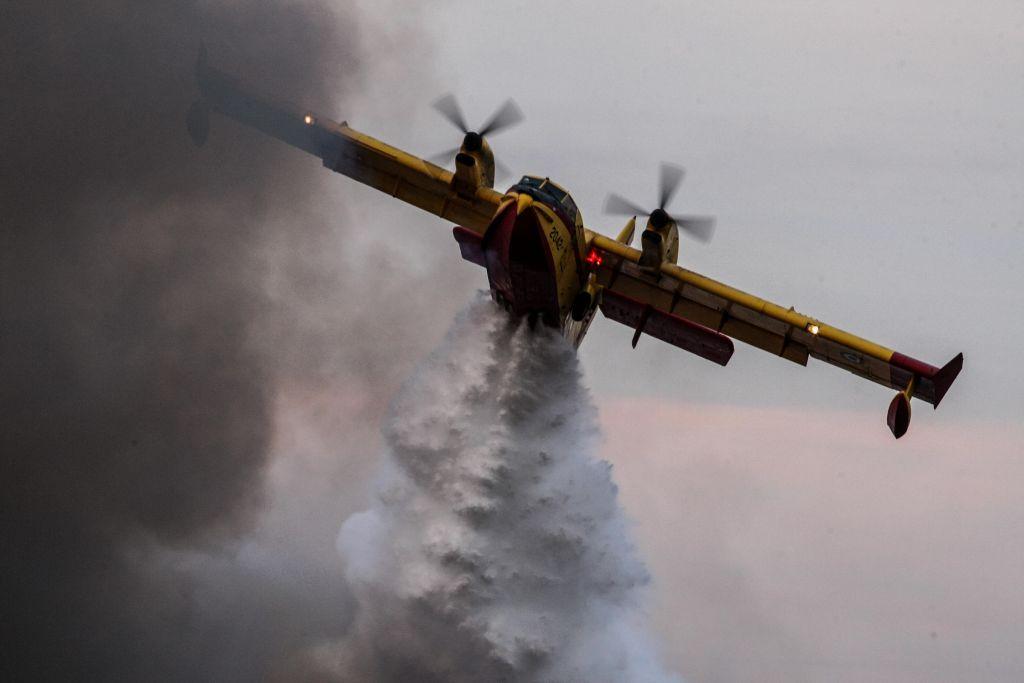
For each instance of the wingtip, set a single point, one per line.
(945, 377)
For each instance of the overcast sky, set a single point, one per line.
(201, 343)
(866, 165)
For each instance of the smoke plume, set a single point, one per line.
(142, 349)
(495, 549)
(194, 365)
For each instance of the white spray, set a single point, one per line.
(495, 549)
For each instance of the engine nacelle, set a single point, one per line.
(474, 165)
(659, 242)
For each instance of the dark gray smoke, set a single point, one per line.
(141, 347)
(194, 366)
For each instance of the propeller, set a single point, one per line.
(699, 227)
(505, 117)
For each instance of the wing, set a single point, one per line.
(342, 149)
(681, 294)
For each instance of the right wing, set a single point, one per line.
(701, 315)
(342, 149)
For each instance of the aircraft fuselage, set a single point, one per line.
(534, 254)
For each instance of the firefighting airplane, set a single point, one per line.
(543, 263)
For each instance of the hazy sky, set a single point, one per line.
(866, 164)
(201, 343)
(864, 161)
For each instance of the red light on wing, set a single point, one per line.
(594, 257)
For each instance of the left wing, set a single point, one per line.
(342, 149)
(678, 294)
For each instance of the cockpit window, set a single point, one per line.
(569, 204)
(554, 192)
(559, 195)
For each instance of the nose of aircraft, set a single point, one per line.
(525, 202)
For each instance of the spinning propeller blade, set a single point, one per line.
(443, 158)
(507, 115)
(449, 108)
(620, 206)
(700, 228)
(671, 177)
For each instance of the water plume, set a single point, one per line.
(495, 548)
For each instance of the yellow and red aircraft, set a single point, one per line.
(544, 263)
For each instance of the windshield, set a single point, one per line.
(560, 196)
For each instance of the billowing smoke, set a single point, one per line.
(142, 349)
(172, 317)
(495, 549)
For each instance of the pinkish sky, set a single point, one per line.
(794, 544)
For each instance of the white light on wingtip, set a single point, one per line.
(308, 118)
(812, 328)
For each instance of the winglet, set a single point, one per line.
(898, 417)
(943, 379)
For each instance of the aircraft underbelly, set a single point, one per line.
(520, 266)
